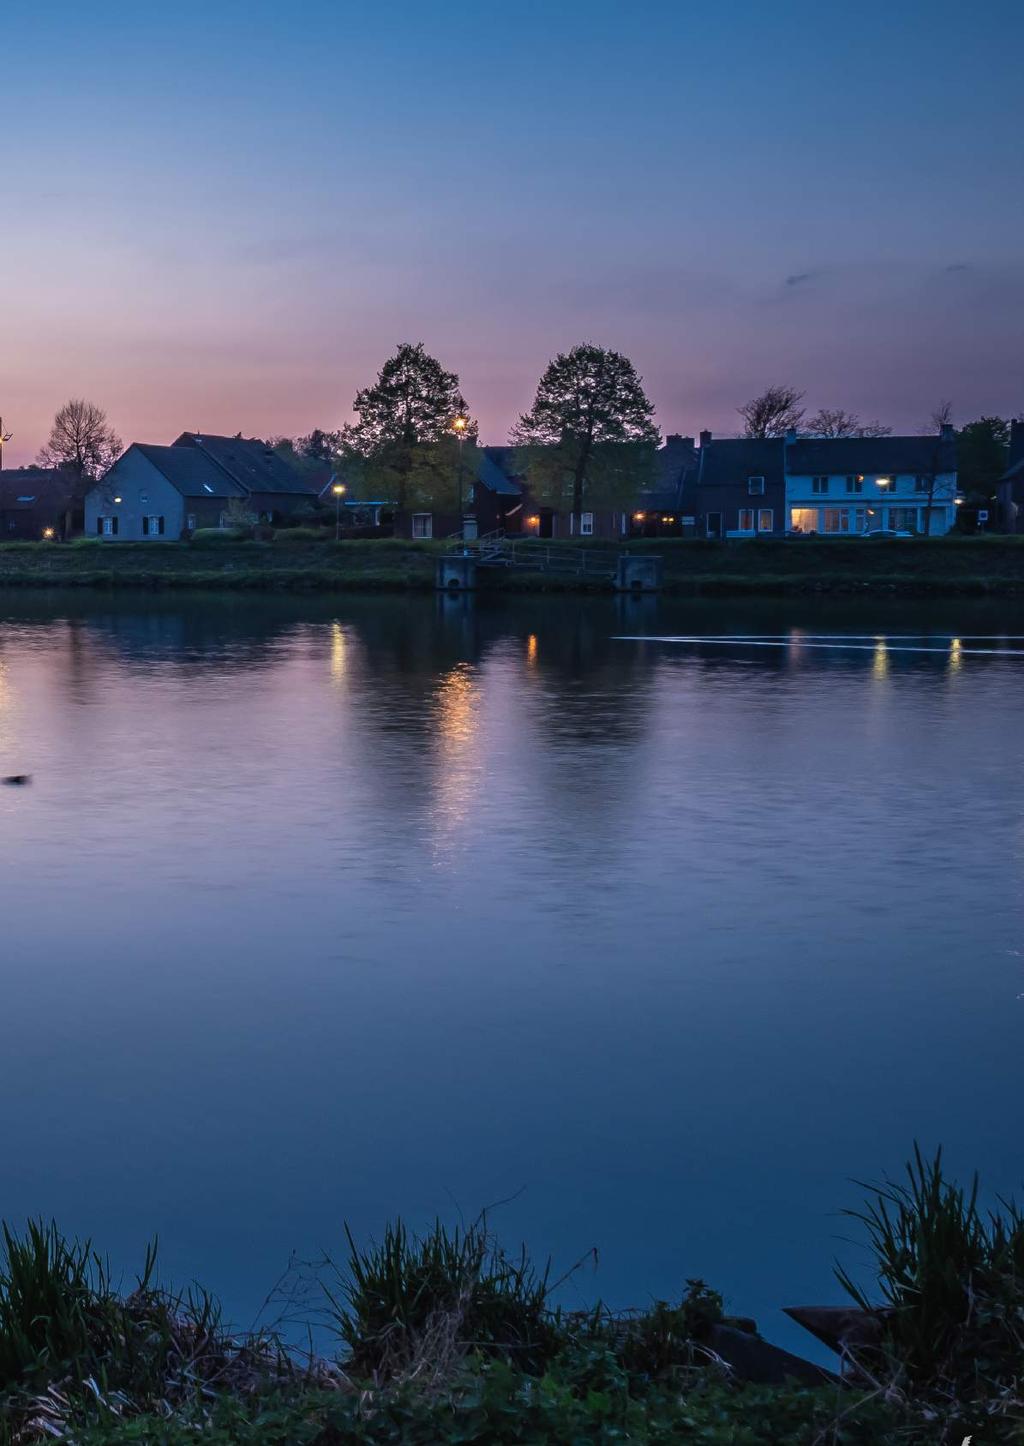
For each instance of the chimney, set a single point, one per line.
(1016, 442)
(705, 439)
(791, 434)
(946, 432)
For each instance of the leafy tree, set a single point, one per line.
(403, 445)
(590, 434)
(81, 441)
(774, 413)
(835, 422)
(982, 449)
(319, 446)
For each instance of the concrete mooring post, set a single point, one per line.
(456, 572)
(637, 573)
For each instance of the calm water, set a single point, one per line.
(323, 911)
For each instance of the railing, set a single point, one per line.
(539, 557)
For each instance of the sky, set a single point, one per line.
(224, 216)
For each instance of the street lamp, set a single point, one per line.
(339, 491)
(459, 426)
(4, 437)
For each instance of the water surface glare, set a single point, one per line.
(329, 910)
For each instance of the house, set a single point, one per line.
(664, 509)
(1011, 484)
(37, 503)
(748, 487)
(851, 485)
(165, 493)
(738, 487)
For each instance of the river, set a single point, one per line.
(325, 910)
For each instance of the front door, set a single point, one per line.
(714, 524)
(546, 524)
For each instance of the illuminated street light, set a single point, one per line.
(4, 437)
(459, 426)
(339, 490)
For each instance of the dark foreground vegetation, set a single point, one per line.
(447, 1339)
(308, 559)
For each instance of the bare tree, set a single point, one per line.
(836, 422)
(774, 413)
(942, 424)
(81, 441)
(942, 416)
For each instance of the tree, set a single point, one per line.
(939, 460)
(403, 440)
(774, 413)
(81, 441)
(982, 453)
(590, 433)
(835, 422)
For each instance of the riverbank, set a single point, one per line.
(446, 1338)
(956, 566)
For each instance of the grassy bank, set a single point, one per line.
(956, 566)
(447, 1339)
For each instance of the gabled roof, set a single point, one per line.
(24, 489)
(494, 471)
(250, 462)
(188, 470)
(823, 456)
(729, 460)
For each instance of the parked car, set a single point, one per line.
(879, 534)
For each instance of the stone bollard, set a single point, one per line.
(637, 573)
(456, 572)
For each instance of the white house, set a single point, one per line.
(837, 485)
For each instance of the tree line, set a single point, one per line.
(588, 441)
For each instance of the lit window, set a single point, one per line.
(586, 524)
(765, 519)
(746, 519)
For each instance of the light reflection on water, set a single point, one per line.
(325, 910)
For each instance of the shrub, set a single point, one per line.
(302, 534)
(414, 1305)
(207, 536)
(951, 1280)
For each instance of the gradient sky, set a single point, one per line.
(225, 215)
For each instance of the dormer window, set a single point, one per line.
(755, 486)
(208, 488)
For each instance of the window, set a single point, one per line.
(152, 526)
(190, 522)
(903, 519)
(422, 524)
(755, 486)
(819, 484)
(921, 484)
(746, 522)
(143, 498)
(837, 519)
(106, 526)
(586, 524)
(803, 519)
(765, 519)
(855, 484)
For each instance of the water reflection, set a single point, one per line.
(339, 907)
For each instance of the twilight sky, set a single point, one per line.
(224, 215)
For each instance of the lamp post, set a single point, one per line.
(4, 437)
(459, 425)
(339, 491)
